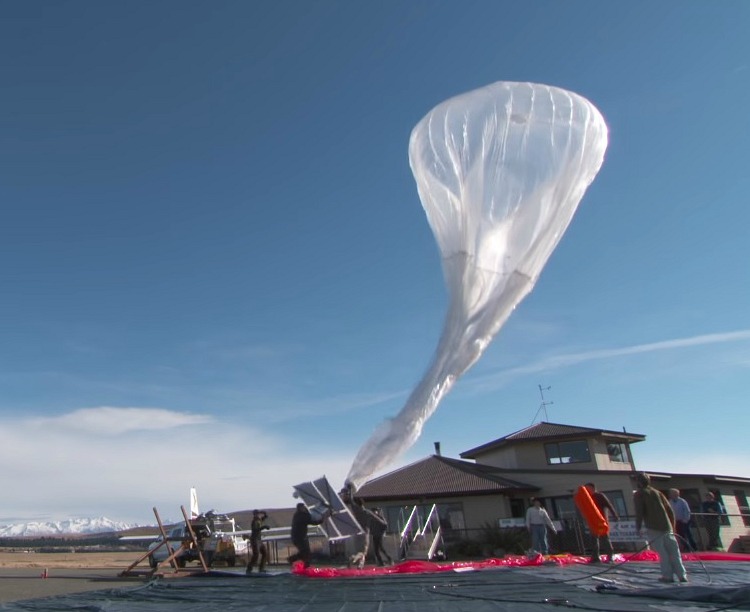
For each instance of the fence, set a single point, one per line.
(709, 532)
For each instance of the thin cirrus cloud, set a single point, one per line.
(498, 379)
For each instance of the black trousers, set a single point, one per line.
(303, 552)
(259, 550)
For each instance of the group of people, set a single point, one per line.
(538, 522)
(711, 519)
(661, 519)
(301, 520)
(372, 521)
(374, 524)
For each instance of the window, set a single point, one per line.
(742, 504)
(517, 508)
(451, 515)
(617, 452)
(723, 516)
(575, 451)
(563, 507)
(693, 498)
(618, 501)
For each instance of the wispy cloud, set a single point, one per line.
(110, 421)
(329, 406)
(489, 382)
(498, 379)
(75, 465)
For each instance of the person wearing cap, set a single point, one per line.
(653, 511)
(300, 522)
(259, 548)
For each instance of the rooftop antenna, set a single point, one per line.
(543, 405)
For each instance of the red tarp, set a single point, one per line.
(427, 567)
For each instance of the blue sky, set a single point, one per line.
(217, 272)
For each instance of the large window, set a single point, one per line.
(618, 452)
(575, 451)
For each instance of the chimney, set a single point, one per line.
(437, 448)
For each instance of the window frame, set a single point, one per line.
(624, 455)
(571, 455)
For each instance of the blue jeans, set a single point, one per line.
(539, 538)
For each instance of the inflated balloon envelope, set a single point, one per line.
(500, 172)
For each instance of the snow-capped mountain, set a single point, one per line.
(75, 526)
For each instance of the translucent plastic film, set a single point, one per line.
(500, 172)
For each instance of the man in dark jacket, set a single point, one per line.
(712, 512)
(378, 527)
(653, 510)
(300, 521)
(256, 541)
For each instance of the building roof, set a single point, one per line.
(708, 479)
(438, 476)
(547, 432)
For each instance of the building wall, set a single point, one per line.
(559, 484)
(486, 509)
(532, 455)
(528, 463)
(506, 458)
(478, 511)
(730, 533)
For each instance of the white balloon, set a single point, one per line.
(500, 172)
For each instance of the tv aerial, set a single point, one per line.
(543, 405)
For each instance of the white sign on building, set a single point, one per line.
(624, 531)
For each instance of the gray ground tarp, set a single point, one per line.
(623, 588)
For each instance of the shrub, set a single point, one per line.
(513, 540)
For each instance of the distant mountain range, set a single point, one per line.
(277, 517)
(77, 526)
